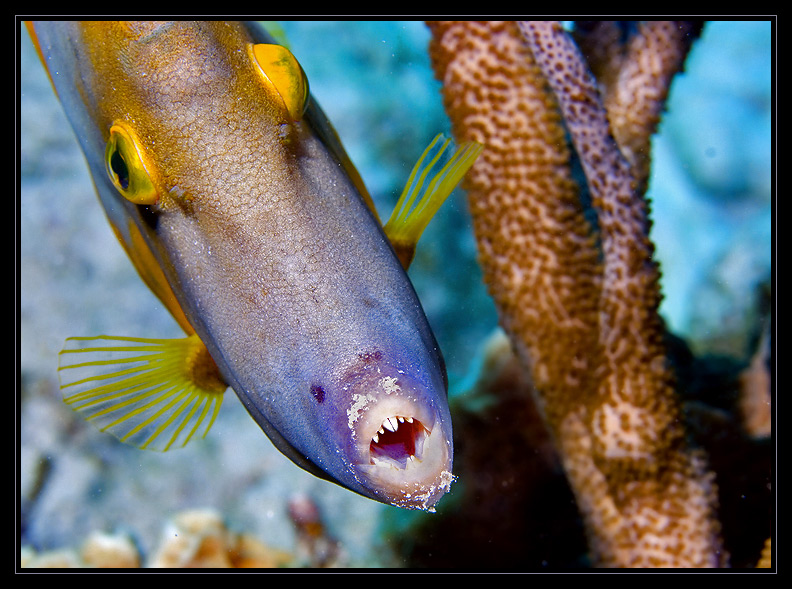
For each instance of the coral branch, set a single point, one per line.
(583, 320)
(602, 42)
(634, 75)
(535, 247)
(630, 331)
(653, 56)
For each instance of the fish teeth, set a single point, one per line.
(391, 424)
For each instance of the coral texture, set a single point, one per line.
(635, 77)
(579, 299)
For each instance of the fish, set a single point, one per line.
(233, 197)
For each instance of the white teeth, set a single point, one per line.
(391, 424)
(394, 451)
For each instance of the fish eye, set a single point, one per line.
(119, 169)
(281, 70)
(125, 166)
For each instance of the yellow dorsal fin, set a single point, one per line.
(407, 223)
(151, 393)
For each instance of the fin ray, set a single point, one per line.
(430, 188)
(146, 392)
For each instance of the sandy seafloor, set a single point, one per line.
(711, 194)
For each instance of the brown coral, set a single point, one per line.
(637, 96)
(583, 319)
(634, 75)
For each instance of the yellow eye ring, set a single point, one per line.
(281, 71)
(125, 166)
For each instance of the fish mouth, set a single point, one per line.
(399, 442)
(403, 452)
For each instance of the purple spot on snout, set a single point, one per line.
(318, 392)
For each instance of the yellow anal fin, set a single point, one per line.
(429, 188)
(151, 393)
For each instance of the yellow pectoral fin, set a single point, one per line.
(151, 393)
(429, 188)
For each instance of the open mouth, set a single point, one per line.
(403, 450)
(398, 443)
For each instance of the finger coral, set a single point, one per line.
(578, 296)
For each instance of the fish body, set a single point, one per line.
(233, 197)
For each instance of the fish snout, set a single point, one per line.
(402, 440)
